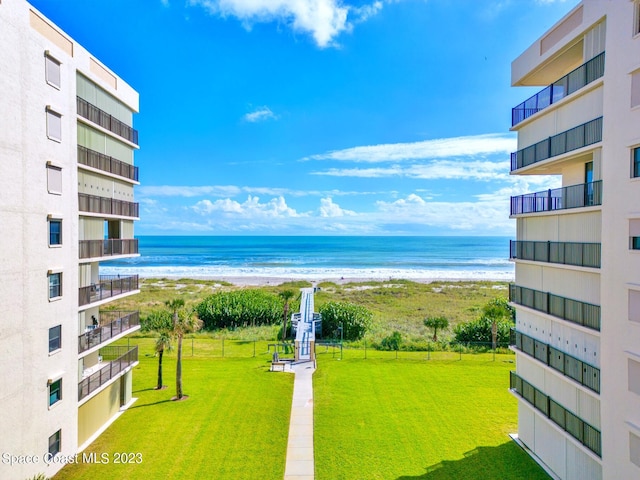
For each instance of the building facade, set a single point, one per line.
(66, 203)
(577, 253)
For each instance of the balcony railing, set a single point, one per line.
(103, 162)
(583, 373)
(574, 196)
(115, 323)
(109, 122)
(108, 247)
(108, 286)
(565, 253)
(118, 359)
(577, 137)
(576, 427)
(108, 206)
(573, 81)
(580, 313)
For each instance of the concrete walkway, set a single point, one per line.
(300, 465)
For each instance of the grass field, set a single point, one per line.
(234, 424)
(378, 418)
(416, 419)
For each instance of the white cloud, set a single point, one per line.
(323, 19)
(331, 210)
(251, 208)
(440, 169)
(476, 145)
(165, 3)
(260, 115)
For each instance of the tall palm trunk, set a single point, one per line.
(160, 353)
(179, 369)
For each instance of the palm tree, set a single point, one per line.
(436, 323)
(160, 322)
(184, 321)
(286, 295)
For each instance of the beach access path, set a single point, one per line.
(300, 464)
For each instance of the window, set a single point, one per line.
(54, 179)
(55, 285)
(55, 392)
(636, 18)
(634, 234)
(55, 443)
(55, 232)
(52, 71)
(635, 89)
(54, 125)
(55, 338)
(635, 162)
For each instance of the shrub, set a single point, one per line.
(355, 319)
(392, 342)
(480, 330)
(240, 308)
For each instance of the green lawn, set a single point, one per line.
(233, 426)
(416, 419)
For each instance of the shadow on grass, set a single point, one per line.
(144, 390)
(507, 461)
(150, 404)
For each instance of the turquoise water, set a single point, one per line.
(319, 257)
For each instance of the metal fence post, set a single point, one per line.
(222, 347)
(365, 349)
(254, 349)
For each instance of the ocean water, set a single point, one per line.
(314, 258)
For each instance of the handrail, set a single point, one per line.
(570, 366)
(577, 137)
(106, 163)
(566, 253)
(585, 433)
(575, 311)
(109, 206)
(571, 82)
(107, 247)
(105, 120)
(96, 380)
(107, 287)
(574, 196)
(124, 321)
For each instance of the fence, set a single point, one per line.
(198, 346)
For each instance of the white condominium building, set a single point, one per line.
(577, 253)
(66, 203)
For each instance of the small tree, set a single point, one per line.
(286, 295)
(184, 321)
(161, 323)
(436, 323)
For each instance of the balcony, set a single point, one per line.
(108, 164)
(575, 311)
(114, 360)
(565, 253)
(108, 286)
(572, 139)
(115, 323)
(108, 247)
(587, 435)
(575, 196)
(107, 206)
(573, 81)
(106, 121)
(583, 373)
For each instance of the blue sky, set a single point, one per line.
(319, 117)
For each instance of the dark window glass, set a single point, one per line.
(55, 442)
(636, 162)
(55, 392)
(55, 285)
(54, 338)
(635, 243)
(55, 232)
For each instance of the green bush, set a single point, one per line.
(240, 308)
(392, 342)
(480, 330)
(354, 319)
